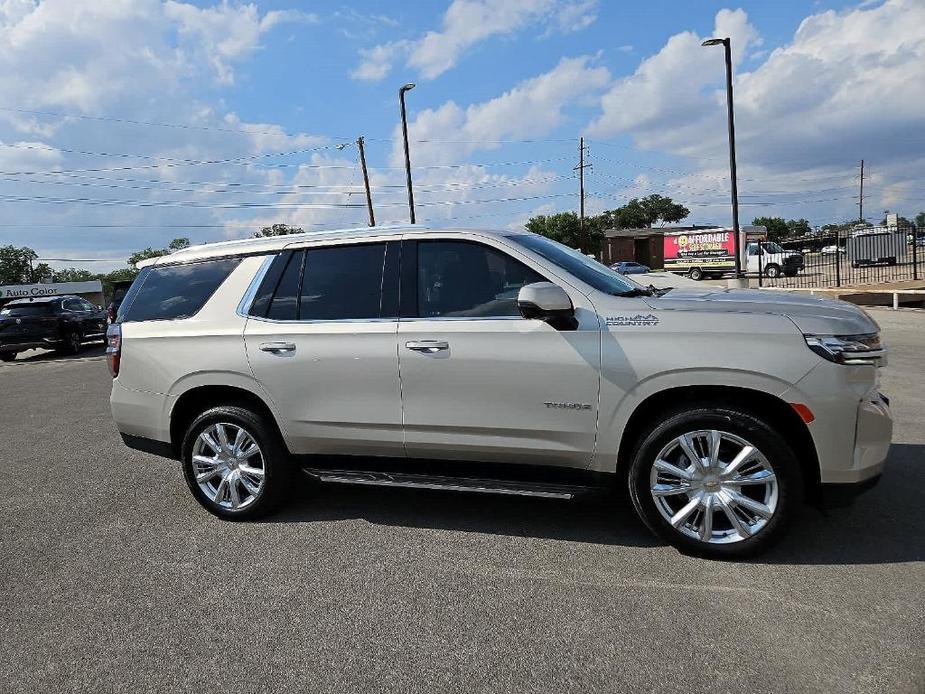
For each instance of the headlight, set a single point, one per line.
(848, 349)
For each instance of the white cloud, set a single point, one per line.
(467, 23)
(532, 108)
(226, 33)
(144, 62)
(846, 87)
(666, 90)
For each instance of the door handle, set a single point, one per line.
(277, 347)
(428, 346)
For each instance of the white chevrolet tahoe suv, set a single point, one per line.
(495, 361)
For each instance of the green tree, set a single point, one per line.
(72, 274)
(644, 212)
(144, 254)
(798, 227)
(277, 230)
(15, 264)
(777, 227)
(920, 220)
(565, 227)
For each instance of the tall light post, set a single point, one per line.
(404, 129)
(732, 149)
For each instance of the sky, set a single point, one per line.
(126, 123)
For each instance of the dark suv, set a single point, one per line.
(55, 322)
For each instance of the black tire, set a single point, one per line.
(72, 342)
(277, 467)
(7, 356)
(738, 422)
(772, 271)
(695, 273)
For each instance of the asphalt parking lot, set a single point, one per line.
(113, 579)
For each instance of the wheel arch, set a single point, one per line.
(773, 409)
(198, 399)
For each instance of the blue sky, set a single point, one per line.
(125, 124)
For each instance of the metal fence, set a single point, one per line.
(872, 256)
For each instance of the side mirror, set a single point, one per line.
(547, 302)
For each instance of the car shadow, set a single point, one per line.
(90, 349)
(884, 525)
(595, 519)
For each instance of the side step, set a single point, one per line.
(454, 484)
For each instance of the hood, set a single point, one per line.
(811, 314)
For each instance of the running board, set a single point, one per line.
(454, 484)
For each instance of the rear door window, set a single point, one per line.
(342, 282)
(172, 292)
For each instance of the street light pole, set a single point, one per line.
(732, 149)
(404, 129)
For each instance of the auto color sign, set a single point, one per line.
(25, 291)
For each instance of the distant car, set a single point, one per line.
(832, 250)
(62, 323)
(629, 268)
(920, 241)
(119, 289)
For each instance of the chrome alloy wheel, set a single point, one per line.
(714, 487)
(228, 466)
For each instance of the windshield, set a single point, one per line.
(771, 247)
(578, 264)
(27, 310)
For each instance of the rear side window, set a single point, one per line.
(174, 291)
(285, 303)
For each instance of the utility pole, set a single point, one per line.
(730, 117)
(404, 130)
(861, 197)
(369, 196)
(581, 191)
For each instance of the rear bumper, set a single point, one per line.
(140, 414)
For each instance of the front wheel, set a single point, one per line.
(695, 273)
(772, 271)
(717, 482)
(72, 343)
(235, 463)
(7, 356)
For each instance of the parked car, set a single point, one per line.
(833, 250)
(630, 268)
(56, 322)
(499, 362)
(119, 289)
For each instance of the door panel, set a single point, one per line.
(338, 389)
(485, 396)
(481, 383)
(323, 344)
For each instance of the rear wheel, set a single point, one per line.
(772, 271)
(235, 463)
(716, 482)
(7, 356)
(695, 273)
(72, 342)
